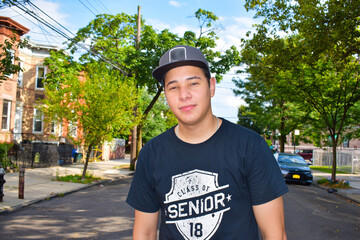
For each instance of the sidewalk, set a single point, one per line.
(352, 194)
(40, 184)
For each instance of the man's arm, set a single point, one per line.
(145, 226)
(270, 219)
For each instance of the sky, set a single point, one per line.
(177, 16)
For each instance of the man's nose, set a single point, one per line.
(184, 94)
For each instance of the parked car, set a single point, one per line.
(294, 168)
(307, 154)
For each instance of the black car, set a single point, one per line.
(294, 168)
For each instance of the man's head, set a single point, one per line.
(180, 56)
(184, 73)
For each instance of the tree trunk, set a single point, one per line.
(282, 141)
(133, 148)
(140, 126)
(333, 171)
(139, 139)
(282, 136)
(86, 161)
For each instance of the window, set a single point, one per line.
(60, 129)
(53, 127)
(40, 76)
(12, 61)
(20, 75)
(38, 121)
(5, 121)
(73, 129)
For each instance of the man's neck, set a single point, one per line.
(200, 132)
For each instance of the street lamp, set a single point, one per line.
(296, 133)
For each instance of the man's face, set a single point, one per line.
(188, 94)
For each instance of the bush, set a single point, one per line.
(76, 178)
(4, 159)
(328, 182)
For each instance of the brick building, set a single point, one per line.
(8, 89)
(21, 94)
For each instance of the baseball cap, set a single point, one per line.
(177, 56)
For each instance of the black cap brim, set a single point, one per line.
(159, 72)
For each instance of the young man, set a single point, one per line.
(207, 177)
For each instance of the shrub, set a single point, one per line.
(76, 178)
(334, 184)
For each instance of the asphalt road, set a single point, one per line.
(101, 213)
(313, 213)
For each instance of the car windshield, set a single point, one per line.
(291, 159)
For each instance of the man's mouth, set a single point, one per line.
(187, 108)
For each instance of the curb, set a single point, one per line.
(337, 193)
(58, 195)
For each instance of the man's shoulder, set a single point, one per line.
(241, 131)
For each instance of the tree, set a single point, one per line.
(271, 100)
(160, 118)
(325, 65)
(94, 97)
(113, 36)
(8, 57)
(248, 119)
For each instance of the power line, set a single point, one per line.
(92, 6)
(87, 7)
(61, 33)
(24, 15)
(43, 30)
(52, 18)
(102, 5)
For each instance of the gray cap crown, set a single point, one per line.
(180, 56)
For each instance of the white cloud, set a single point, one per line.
(174, 4)
(179, 29)
(233, 32)
(157, 24)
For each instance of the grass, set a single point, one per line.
(325, 169)
(340, 184)
(122, 166)
(76, 178)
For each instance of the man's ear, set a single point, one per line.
(212, 86)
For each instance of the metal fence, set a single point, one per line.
(347, 160)
(41, 155)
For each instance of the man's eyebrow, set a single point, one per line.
(171, 82)
(193, 77)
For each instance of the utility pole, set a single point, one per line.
(134, 130)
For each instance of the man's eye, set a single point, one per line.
(194, 84)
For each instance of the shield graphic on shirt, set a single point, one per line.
(196, 204)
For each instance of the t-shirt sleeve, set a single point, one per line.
(264, 177)
(142, 195)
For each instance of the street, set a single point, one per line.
(313, 213)
(100, 212)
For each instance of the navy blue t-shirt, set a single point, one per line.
(206, 190)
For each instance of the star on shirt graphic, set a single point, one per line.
(228, 197)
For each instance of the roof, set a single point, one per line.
(8, 22)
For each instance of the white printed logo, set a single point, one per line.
(196, 204)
